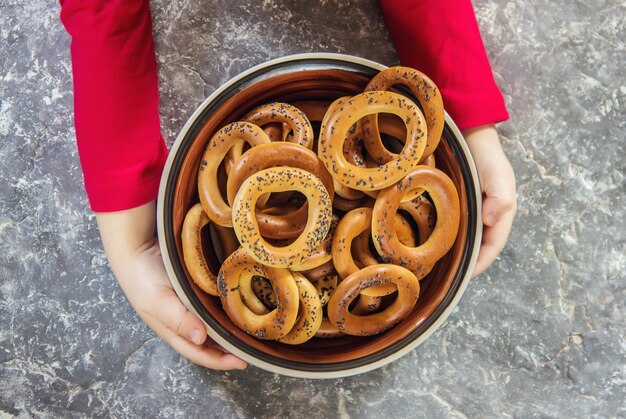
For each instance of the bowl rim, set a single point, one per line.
(165, 248)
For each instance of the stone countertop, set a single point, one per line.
(541, 334)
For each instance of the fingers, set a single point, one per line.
(211, 357)
(495, 208)
(170, 312)
(494, 239)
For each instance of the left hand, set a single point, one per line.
(497, 181)
(133, 252)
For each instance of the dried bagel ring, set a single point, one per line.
(322, 253)
(345, 205)
(279, 179)
(288, 114)
(366, 304)
(324, 278)
(349, 150)
(310, 318)
(443, 193)
(313, 109)
(427, 94)
(352, 225)
(249, 295)
(422, 212)
(269, 113)
(273, 155)
(328, 330)
(210, 196)
(320, 271)
(196, 264)
(363, 255)
(326, 286)
(276, 131)
(273, 325)
(396, 128)
(263, 291)
(375, 275)
(336, 124)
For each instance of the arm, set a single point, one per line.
(442, 39)
(122, 154)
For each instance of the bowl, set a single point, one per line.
(294, 78)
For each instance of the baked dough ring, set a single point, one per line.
(443, 194)
(196, 264)
(310, 318)
(423, 213)
(273, 325)
(427, 94)
(276, 112)
(328, 330)
(336, 124)
(375, 275)
(293, 117)
(263, 290)
(322, 253)
(363, 255)
(352, 225)
(208, 188)
(366, 304)
(250, 293)
(279, 179)
(324, 278)
(272, 155)
(345, 205)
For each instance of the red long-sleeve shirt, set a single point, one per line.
(116, 112)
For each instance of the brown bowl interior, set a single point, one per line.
(296, 86)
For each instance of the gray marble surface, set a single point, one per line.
(541, 334)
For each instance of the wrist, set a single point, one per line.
(482, 139)
(127, 233)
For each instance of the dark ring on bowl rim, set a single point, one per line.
(220, 334)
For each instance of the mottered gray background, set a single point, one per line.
(541, 334)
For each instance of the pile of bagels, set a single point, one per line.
(325, 232)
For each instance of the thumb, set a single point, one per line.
(494, 208)
(173, 314)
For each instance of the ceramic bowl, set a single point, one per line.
(293, 78)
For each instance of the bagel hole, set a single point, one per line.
(392, 132)
(222, 181)
(359, 159)
(414, 227)
(433, 222)
(316, 125)
(387, 300)
(208, 241)
(262, 288)
(373, 250)
(280, 242)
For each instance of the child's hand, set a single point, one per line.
(134, 255)
(498, 186)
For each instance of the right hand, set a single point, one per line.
(135, 257)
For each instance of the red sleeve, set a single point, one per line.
(116, 113)
(441, 39)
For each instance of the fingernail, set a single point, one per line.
(196, 336)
